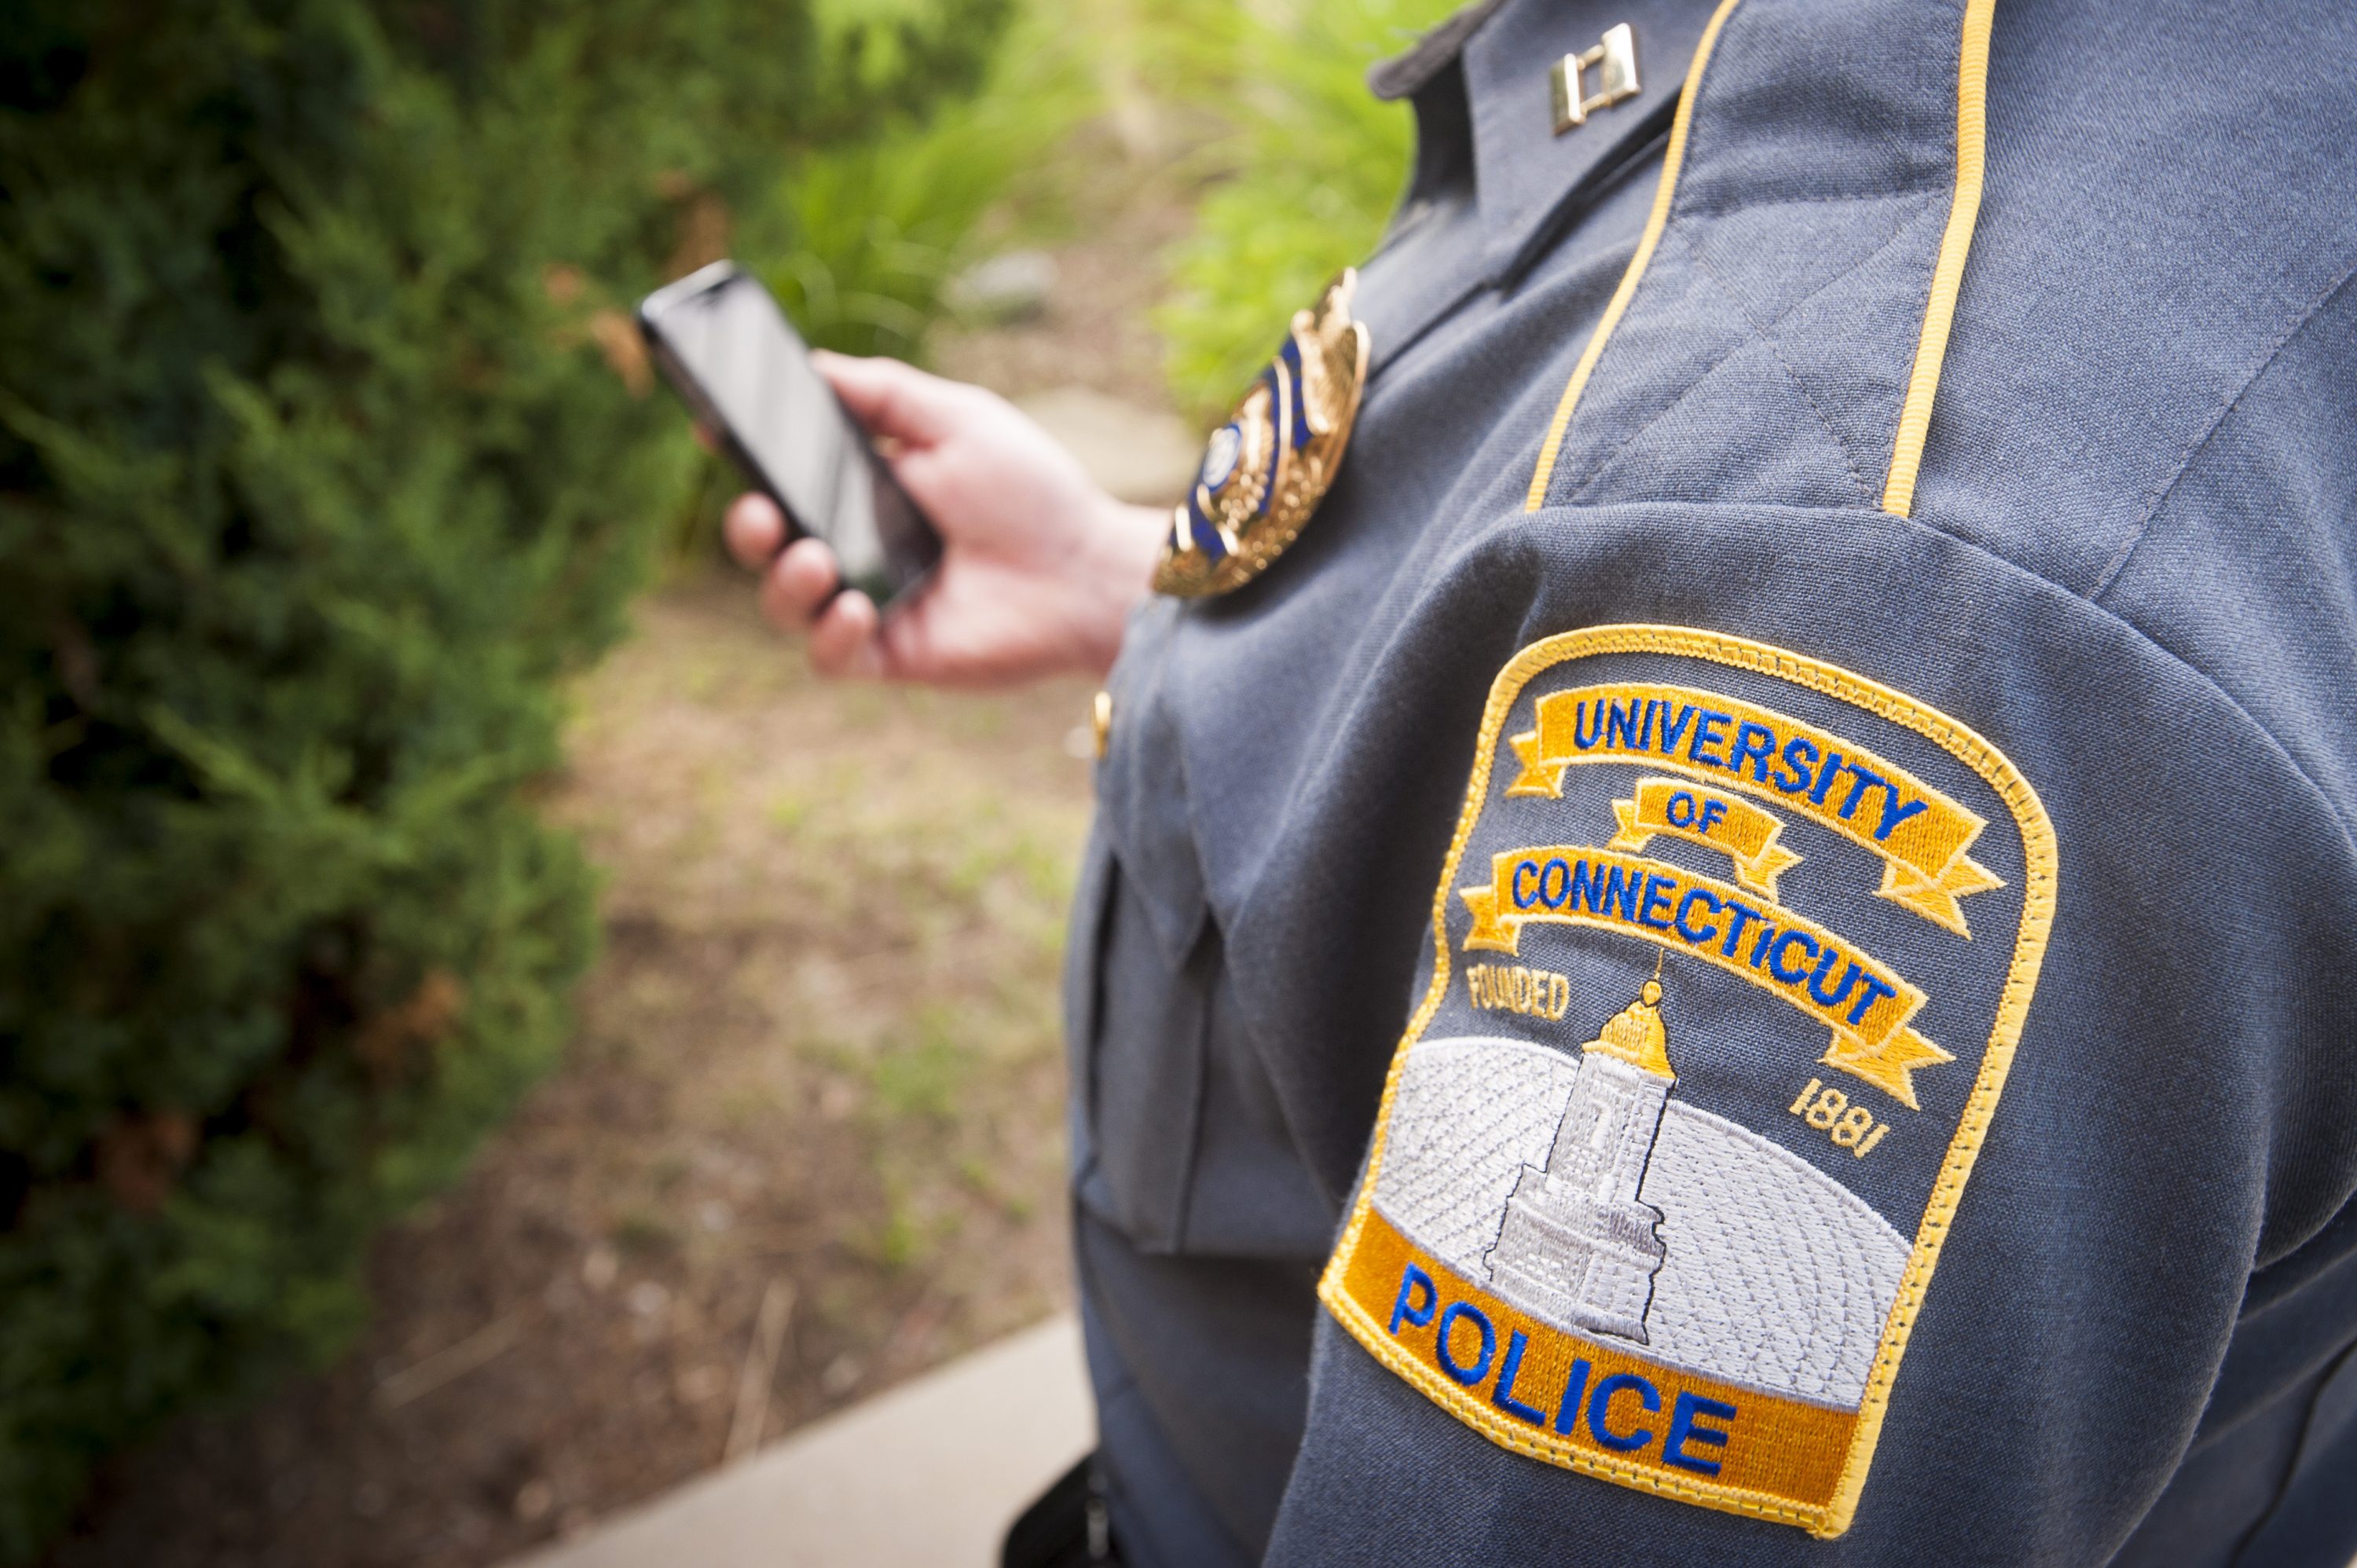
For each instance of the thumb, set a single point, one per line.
(893, 398)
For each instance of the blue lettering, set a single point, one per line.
(1560, 873)
(1402, 1310)
(1867, 779)
(1581, 735)
(1802, 758)
(1504, 1398)
(1520, 902)
(1658, 889)
(1755, 744)
(1683, 798)
(1682, 1430)
(1697, 895)
(1760, 943)
(1742, 915)
(1783, 945)
(1479, 1369)
(1707, 733)
(1587, 887)
(1575, 1388)
(1621, 728)
(1713, 813)
(1645, 736)
(1893, 813)
(1825, 967)
(1875, 991)
(1624, 889)
(1599, 1412)
(1834, 760)
(1672, 732)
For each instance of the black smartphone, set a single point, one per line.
(724, 344)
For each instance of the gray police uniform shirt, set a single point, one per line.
(1744, 952)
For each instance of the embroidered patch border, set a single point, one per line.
(1374, 1258)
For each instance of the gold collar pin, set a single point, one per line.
(1615, 60)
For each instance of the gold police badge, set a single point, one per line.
(1730, 957)
(1265, 469)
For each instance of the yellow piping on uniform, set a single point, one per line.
(1948, 276)
(1653, 236)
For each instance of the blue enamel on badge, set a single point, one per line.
(1265, 469)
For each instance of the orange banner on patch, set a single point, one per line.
(1863, 1001)
(1711, 818)
(1921, 835)
(1580, 1404)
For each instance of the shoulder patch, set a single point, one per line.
(1731, 952)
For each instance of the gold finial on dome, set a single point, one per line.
(1635, 1034)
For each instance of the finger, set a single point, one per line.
(907, 644)
(798, 584)
(843, 639)
(755, 529)
(895, 400)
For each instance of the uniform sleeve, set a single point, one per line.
(1859, 1056)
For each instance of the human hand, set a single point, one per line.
(1039, 567)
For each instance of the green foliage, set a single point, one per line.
(858, 238)
(1308, 174)
(316, 478)
(872, 230)
(918, 1078)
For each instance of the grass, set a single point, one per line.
(921, 1079)
(639, 1231)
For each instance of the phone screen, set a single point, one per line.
(729, 349)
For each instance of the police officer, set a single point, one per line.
(1726, 877)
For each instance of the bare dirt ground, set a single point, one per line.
(819, 1067)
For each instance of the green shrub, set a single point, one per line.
(1306, 175)
(317, 477)
(859, 239)
(869, 234)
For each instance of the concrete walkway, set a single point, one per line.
(928, 1475)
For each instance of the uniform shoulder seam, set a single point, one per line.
(2167, 487)
(2332, 812)
(2323, 798)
